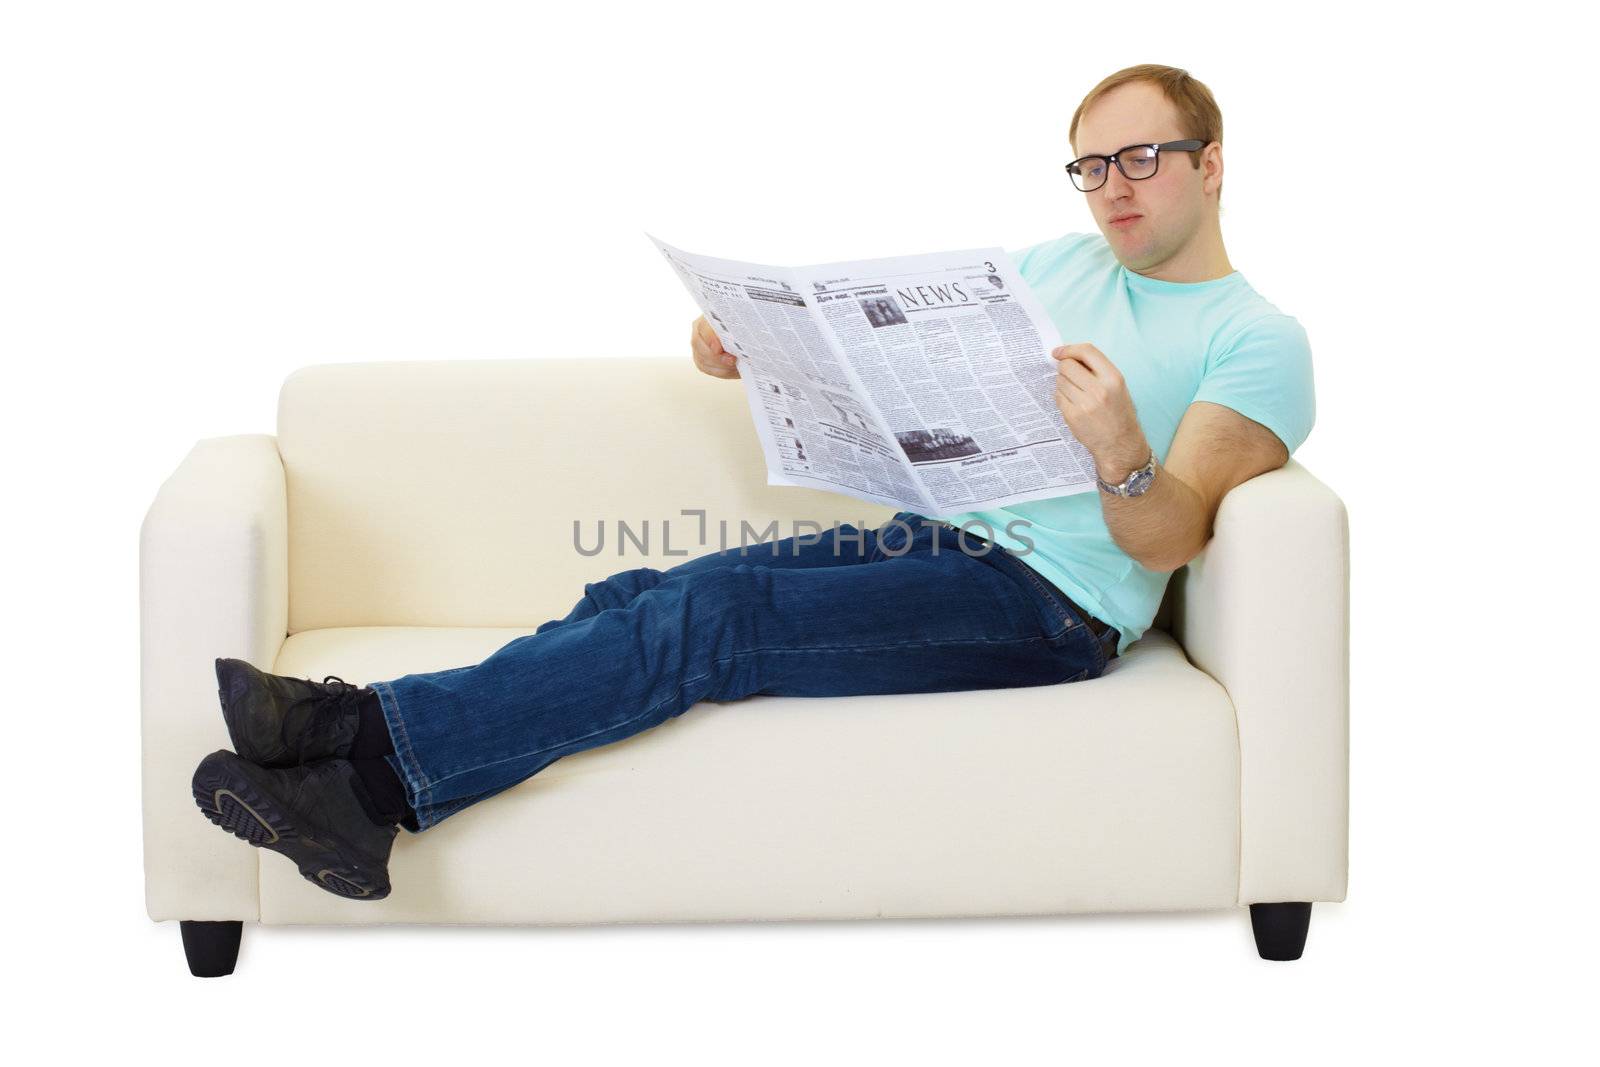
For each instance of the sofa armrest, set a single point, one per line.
(1265, 610)
(213, 581)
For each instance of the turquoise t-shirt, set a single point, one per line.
(1174, 343)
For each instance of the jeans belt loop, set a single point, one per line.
(1096, 626)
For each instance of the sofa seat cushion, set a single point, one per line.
(1119, 793)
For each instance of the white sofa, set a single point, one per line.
(413, 516)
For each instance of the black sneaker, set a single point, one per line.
(312, 814)
(280, 722)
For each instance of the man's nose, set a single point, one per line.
(1116, 185)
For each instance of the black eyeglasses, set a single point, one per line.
(1136, 162)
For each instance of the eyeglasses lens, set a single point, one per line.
(1136, 163)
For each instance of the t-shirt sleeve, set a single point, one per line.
(1265, 375)
(1030, 258)
(1022, 256)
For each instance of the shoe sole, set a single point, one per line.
(228, 795)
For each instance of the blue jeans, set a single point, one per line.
(904, 608)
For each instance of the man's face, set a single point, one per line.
(1145, 222)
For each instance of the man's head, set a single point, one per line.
(1151, 221)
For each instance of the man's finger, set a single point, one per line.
(1068, 354)
(709, 337)
(718, 366)
(1087, 354)
(1071, 370)
(1096, 360)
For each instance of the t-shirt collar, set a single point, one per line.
(1137, 281)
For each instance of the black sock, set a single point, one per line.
(386, 793)
(372, 739)
(385, 790)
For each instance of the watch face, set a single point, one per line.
(1140, 480)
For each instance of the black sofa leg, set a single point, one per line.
(212, 947)
(1280, 929)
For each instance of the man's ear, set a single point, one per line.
(1211, 163)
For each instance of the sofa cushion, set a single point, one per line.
(1118, 793)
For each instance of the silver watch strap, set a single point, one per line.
(1121, 489)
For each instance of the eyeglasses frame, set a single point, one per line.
(1189, 144)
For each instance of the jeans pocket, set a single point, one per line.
(1062, 621)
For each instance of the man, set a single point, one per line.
(1181, 382)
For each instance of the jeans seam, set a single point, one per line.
(1038, 583)
(437, 812)
(1099, 640)
(404, 751)
(888, 527)
(1111, 634)
(724, 659)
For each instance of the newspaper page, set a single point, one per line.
(921, 382)
(816, 425)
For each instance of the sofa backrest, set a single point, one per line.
(445, 493)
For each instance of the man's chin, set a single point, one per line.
(1135, 255)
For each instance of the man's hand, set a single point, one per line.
(709, 355)
(1094, 401)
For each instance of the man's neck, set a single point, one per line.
(1203, 259)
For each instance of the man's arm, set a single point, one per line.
(1215, 448)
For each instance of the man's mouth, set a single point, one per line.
(1122, 222)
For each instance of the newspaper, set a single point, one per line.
(921, 382)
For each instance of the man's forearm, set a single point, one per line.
(1162, 528)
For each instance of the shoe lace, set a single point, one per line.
(327, 709)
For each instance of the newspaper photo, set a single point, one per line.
(921, 382)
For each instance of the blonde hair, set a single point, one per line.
(1198, 114)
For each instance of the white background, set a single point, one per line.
(199, 198)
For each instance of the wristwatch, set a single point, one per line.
(1134, 483)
